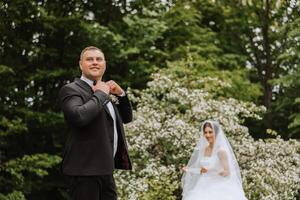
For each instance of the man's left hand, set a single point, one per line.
(115, 88)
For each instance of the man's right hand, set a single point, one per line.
(100, 85)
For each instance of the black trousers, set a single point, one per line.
(100, 187)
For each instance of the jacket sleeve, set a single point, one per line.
(125, 109)
(76, 111)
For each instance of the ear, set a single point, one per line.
(80, 64)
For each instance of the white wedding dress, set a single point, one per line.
(211, 185)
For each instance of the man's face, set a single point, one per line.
(92, 64)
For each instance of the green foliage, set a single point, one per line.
(237, 84)
(202, 53)
(140, 50)
(15, 195)
(17, 171)
(295, 124)
(4, 70)
(287, 104)
(186, 35)
(158, 188)
(10, 127)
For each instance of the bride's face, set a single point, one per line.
(209, 134)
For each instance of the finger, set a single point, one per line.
(113, 86)
(108, 84)
(111, 82)
(101, 83)
(114, 83)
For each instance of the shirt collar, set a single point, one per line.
(88, 81)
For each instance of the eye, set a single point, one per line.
(99, 59)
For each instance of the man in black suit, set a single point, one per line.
(96, 143)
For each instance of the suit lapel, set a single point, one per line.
(88, 89)
(107, 110)
(83, 85)
(116, 112)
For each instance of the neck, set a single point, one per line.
(98, 79)
(92, 78)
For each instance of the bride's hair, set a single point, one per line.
(210, 125)
(207, 124)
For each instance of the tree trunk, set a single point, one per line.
(268, 68)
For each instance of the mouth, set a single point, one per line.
(95, 68)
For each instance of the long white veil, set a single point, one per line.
(189, 179)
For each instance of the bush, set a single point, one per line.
(166, 129)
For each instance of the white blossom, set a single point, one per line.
(166, 128)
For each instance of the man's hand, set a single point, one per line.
(203, 170)
(114, 88)
(100, 85)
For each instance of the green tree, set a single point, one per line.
(199, 47)
(39, 49)
(287, 104)
(262, 31)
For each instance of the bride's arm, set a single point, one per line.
(195, 170)
(224, 162)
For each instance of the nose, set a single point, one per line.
(95, 62)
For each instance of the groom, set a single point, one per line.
(96, 143)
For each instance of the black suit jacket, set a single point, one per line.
(89, 148)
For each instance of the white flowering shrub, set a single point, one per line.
(166, 128)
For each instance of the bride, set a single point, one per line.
(212, 172)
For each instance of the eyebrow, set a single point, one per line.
(94, 57)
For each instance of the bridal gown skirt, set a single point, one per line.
(215, 188)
